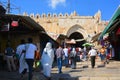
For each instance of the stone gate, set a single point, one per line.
(73, 25)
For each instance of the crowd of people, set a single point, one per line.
(65, 56)
(22, 57)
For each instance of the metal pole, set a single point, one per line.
(8, 7)
(8, 11)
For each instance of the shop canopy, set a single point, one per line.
(95, 37)
(115, 20)
(18, 24)
(72, 41)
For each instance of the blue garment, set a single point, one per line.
(9, 51)
(66, 61)
(102, 57)
(59, 63)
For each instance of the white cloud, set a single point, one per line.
(54, 3)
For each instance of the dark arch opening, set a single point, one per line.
(77, 35)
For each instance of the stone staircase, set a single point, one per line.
(110, 71)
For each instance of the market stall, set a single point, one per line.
(112, 34)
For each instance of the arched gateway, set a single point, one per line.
(77, 33)
(73, 26)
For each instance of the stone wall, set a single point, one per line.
(69, 23)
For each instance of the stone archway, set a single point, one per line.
(77, 36)
(77, 32)
(79, 29)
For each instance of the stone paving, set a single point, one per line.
(110, 71)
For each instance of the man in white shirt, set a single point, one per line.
(29, 56)
(92, 53)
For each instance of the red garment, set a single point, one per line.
(77, 49)
(108, 56)
(118, 31)
(69, 49)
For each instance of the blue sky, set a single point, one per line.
(82, 7)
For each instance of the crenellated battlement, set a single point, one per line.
(68, 24)
(74, 14)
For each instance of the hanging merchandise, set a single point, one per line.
(105, 36)
(118, 31)
(14, 24)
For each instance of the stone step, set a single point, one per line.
(88, 64)
(77, 78)
(98, 78)
(110, 71)
(92, 78)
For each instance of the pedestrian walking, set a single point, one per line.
(102, 54)
(66, 56)
(59, 54)
(47, 60)
(72, 56)
(9, 53)
(29, 56)
(92, 53)
(20, 51)
(84, 53)
(69, 50)
(108, 52)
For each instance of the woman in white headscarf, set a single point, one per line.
(47, 60)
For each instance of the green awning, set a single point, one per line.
(112, 21)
